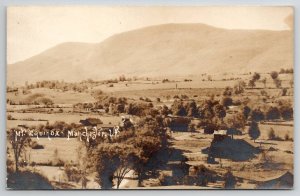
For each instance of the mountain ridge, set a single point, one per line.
(167, 49)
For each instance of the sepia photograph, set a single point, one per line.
(150, 97)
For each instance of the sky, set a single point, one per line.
(32, 30)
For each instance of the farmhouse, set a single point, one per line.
(232, 109)
(220, 135)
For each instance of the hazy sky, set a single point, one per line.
(31, 30)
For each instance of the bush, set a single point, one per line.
(36, 146)
(287, 137)
(147, 99)
(9, 117)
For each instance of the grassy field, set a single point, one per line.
(55, 149)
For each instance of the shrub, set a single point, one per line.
(9, 117)
(147, 99)
(36, 146)
(165, 80)
(287, 137)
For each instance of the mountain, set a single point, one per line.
(162, 50)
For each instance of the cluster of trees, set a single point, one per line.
(273, 113)
(274, 76)
(18, 145)
(113, 105)
(254, 79)
(58, 85)
(34, 99)
(117, 105)
(208, 109)
(276, 80)
(286, 71)
(132, 150)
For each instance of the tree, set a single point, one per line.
(239, 87)
(286, 112)
(254, 131)
(264, 81)
(227, 101)
(246, 111)
(220, 111)
(277, 82)
(165, 110)
(251, 83)
(19, 139)
(148, 146)
(257, 115)
(274, 75)
(273, 113)
(113, 161)
(256, 76)
(227, 91)
(230, 180)
(235, 123)
(191, 109)
(178, 108)
(291, 82)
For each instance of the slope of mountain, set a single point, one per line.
(170, 49)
